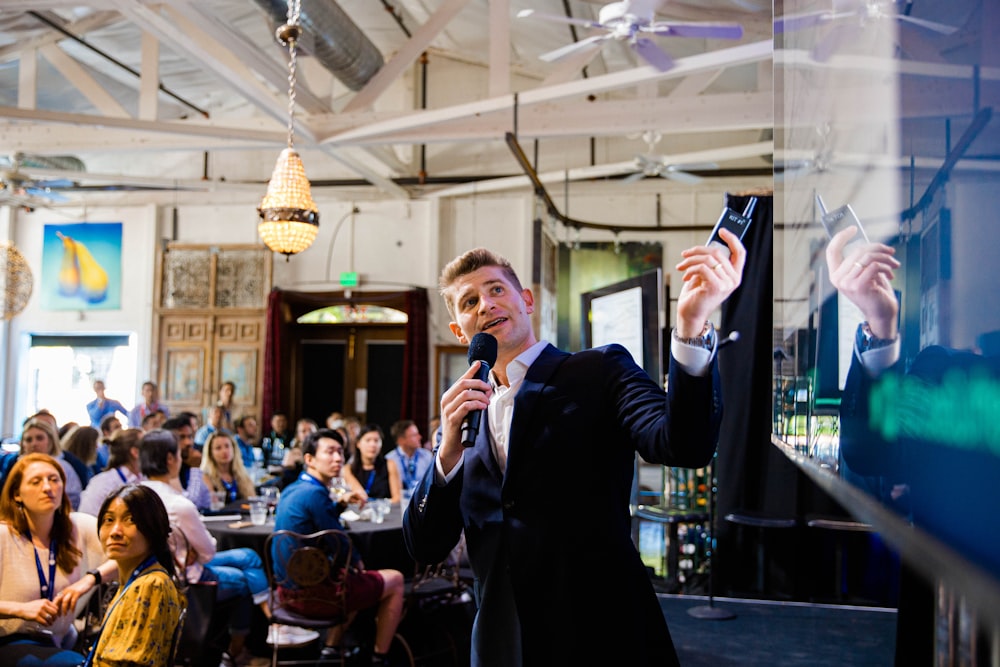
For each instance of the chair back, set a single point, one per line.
(196, 627)
(306, 573)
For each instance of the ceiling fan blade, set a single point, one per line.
(933, 26)
(682, 177)
(632, 178)
(45, 194)
(525, 13)
(707, 30)
(793, 22)
(693, 166)
(652, 54)
(574, 47)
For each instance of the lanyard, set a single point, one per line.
(371, 478)
(46, 588)
(232, 489)
(118, 598)
(306, 477)
(121, 475)
(410, 465)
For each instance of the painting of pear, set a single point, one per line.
(79, 273)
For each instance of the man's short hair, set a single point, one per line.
(153, 450)
(312, 440)
(398, 429)
(466, 263)
(242, 420)
(176, 423)
(149, 383)
(106, 422)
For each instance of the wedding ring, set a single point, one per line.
(716, 266)
(859, 265)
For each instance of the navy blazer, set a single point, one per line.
(550, 541)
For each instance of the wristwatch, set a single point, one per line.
(704, 340)
(865, 340)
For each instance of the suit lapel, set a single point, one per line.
(483, 448)
(526, 400)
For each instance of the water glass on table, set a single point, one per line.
(258, 510)
(271, 495)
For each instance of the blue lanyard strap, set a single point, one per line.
(136, 573)
(306, 477)
(121, 475)
(368, 482)
(232, 490)
(46, 587)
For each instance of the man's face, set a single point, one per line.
(326, 463)
(486, 300)
(99, 388)
(215, 416)
(249, 428)
(185, 441)
(149, 394)
(411, 439)
(279, 423)
(302, 430)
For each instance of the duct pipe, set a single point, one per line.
(331, 37)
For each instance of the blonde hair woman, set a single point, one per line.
(223, 469)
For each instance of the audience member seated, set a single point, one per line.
(82, 443)
(239, 572)
(38, 528)
(140, 623)
(412, 460)
(246, 439)
(109, 425)
(369, 473)
(189, 481)
(123, 468)
(102, 406)
(225, 400)
(291, 463)
(40, 436)
(222, 468)
(306, 507)
(213, 423)
(150, 403)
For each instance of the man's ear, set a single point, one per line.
(529, 300)
(459, 334)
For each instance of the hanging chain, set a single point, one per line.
(294, 9)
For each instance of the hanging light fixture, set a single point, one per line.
(289, 219)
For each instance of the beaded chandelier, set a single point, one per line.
(289, 219)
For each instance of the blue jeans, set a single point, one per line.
(240, 574)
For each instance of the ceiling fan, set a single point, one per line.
(20, 189)
(631, 21)
(652, 165)
(849, 18)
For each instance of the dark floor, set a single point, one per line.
(780, 634)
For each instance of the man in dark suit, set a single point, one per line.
(543, 495)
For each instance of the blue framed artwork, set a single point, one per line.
(81, 266)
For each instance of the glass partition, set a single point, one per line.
(886, 371)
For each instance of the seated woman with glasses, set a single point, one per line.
(140, 623)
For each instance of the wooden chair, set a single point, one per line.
(201, 637)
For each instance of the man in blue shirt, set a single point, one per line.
(101, 406)
(411, 458)
(306, 507)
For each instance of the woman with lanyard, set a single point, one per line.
(222, 468)
(123, 468)
(139, 625)
(369, 471)
(39, 535)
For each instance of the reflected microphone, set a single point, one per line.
(483, 349)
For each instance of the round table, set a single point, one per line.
(381, 544)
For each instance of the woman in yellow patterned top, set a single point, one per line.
(140, 624)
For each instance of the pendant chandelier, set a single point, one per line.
(289, 219)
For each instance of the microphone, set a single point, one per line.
(483, 349)
(731, 338)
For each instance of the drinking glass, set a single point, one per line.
(339, 488)
(271, 495)
(258, 511)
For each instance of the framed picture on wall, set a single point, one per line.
(81, 266)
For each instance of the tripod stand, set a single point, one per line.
(710, 611)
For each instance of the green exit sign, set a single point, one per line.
(348, 278)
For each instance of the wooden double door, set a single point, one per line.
(354, 369)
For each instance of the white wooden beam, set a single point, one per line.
(77, 75)
(499, 77)
(149, 84)
(94, 21)
(406, 55)
(27, 79)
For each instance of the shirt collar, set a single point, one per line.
(518, 367)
